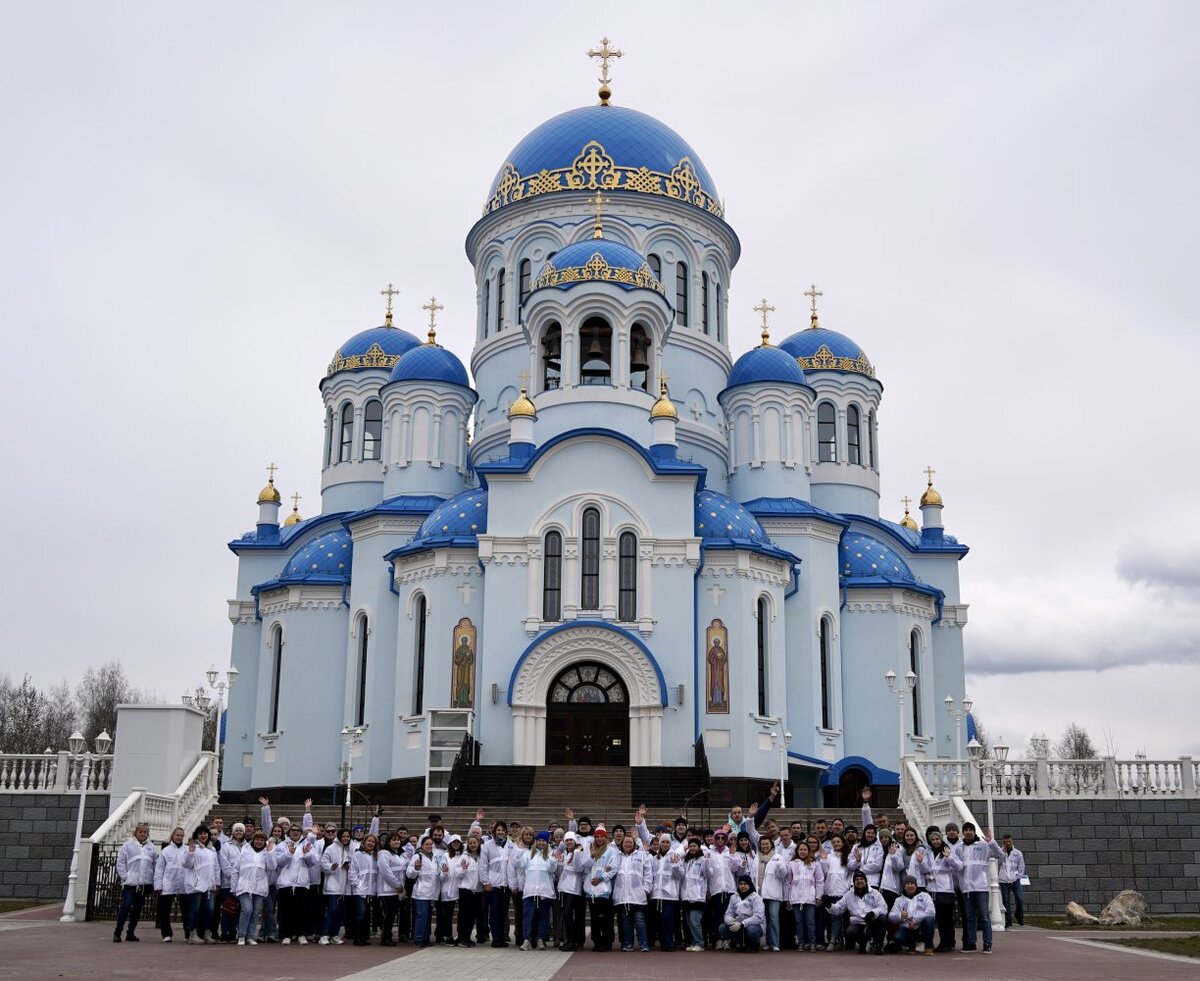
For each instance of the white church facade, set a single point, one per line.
(610, 541)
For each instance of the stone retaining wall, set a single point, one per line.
(36, 839)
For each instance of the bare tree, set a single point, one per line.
(982, 736)
(31, 720)
(98, 694)
(202, 699)
(1075, 744)
(60, 718)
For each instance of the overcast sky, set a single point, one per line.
(999, 201)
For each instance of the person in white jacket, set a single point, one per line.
(744, 918)
(694, 893)
(227, 858)
(335, 863)
(721, 882)
(975, 854)
(601, 865)
(772, 864)
(946, 865)
(532, 875)
(251, 883)
(135, 869)
(464, 870)
(664, 896)
(631, 890)
(294, 860)
(428, 870)
(804, 887)
(363, 887)
(1012, 887)
(202, 880)
(836, 862)
(913, 916)
(867, 912)
(494, 857)
(572, 867)
(391, 864)
(444, 933)
(169, 882)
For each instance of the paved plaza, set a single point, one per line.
(34, 946)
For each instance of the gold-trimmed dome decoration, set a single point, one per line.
(931, 498)
(270, 493)
(907, 520)
(522, 406)
(663, 408)
(294, 518)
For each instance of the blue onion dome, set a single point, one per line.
(327, 558)
(430, 363)
(721, 517)
(604, 148)
(378, 347)
(462, 516)
(818, 349)
(766, 365)
(865, 557)
(598, 261)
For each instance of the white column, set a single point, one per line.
(645, 599)
(533, 608)
(757, 450)
(436, 451)
(608, 581)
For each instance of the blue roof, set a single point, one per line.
(627, 140)
(326, 558)
(721, 518)
(377, 347)
(766, 366)
(464, 516)
(430, 362)
(818, 349)
(865, 557)
(598, 260)
(769, 507)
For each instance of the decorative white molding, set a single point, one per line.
(816, 528)
(241, 611)
(289, 599)
(895, 600)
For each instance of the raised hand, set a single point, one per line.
(192, 846)
(417, 863)
(264, 802)
(570, 813)
(987, 835)
(271, 846)
(920, 854)
(479, 814)
(308, 803)
(866, 795)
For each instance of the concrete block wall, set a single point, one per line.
(1080, 850)
(37, 834)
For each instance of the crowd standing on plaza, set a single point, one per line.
(747, 884)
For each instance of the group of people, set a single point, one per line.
(749, 883)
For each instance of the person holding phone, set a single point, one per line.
(426, 871)
(335, 863)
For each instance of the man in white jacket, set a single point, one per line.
(135, 869)
(745, 917)
(868, 915)
(1012, 887)
(913, 916)
(975, 854)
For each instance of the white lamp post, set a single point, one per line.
(78, 747)
(958, 715)
(219, 687)
(902, 688)
(988, 770)
(781, 743)
(351, 736)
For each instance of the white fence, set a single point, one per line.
(1055, 779)
(52, 773)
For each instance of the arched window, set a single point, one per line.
(276, 675)
(347, 441)
(361, 700)
(526, 278)
(552, 577)
(853, 453)
(328, 436)
(419, 657)
(681, 294)
(589, 567)
(373, 430)
(487, 305)
(763, 702)
(655, 266)
(499, 301)
(704, 301)
(826, 676)
(871, 439)
(826, 433)
(595, 353)
(914, 653)
(639, 358)
(552, 357)
(627, 576)
(719, 313)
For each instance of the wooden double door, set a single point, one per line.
(587, 718)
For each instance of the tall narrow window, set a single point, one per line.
(276, 674)
(853, 452)
(914, 651)
(639, 358)
(681, 294)
(347, 440)
(419, 658)
(552, 577)
(526, 278)
(627, 574)
(487, 305)
(826, 433)
(552, 357)
(826, 672)
(373, 430)
(499, 301)
(595, 353)
(328, 436)
(655, 266)
(763, 703)
(361, 703)
(719, 313)
(871, 439)
(704, 301)
(589, 579)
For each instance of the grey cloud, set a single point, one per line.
(1173, 568)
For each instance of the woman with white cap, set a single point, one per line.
(364, 887)
(572, 867)
(533, 876)
(694, 893)
(425, 868)
(631, 890)
(601, 868)
(449, 892)
(664, 895)
(464, 869)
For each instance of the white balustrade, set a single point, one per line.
(51, 773)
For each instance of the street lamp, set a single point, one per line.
(78, 747)
(219, 687)
(989, 770)
(351, 736)
(902, 688)
(958, 714)
(781, 744)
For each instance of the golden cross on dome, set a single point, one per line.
(271, 468)
(929, 472)
(524, 376)
(605, 54)
(389, 293)
(663, 378)
(433, 307)
(765, 308)
(296, 501)
(906, 501)
(812, 293)
(598, 202)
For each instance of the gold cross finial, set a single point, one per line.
(524, 376)
(812, 293)
(663, 378)
(271, 468)
(598, 202)
(765, 308)
(389, 293)
(929, 472)
(906, 501)
(433, 307)
(605, 54)
(296, 501)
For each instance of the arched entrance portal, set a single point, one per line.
(587, 718)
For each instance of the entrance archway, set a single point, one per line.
(587, 718)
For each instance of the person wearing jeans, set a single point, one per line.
(631, 889)
(912, 916)
(693, 891)
(745, 917)
(868, 915)
(975, 853)
(1012, 891)
(600, 869)
(425, 868)
(135, 869)
(251, 882)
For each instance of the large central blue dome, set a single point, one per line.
(608, 148)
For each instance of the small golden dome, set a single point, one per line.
(930, 497)
(522, 406)
(292, 519)
(269, 494)
(907, 522)
(664, 408)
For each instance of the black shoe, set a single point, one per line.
(387, 943)
(499, 943)
(130, 938)
(116, 938)
(968, 948)
(466, 943)
(567, 948)
(876, 948)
